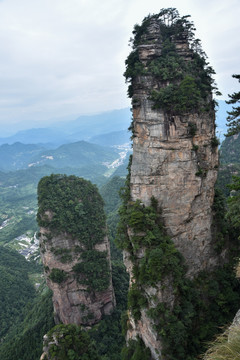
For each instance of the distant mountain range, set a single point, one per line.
(44, 136)
(83, 128)
(17, 156)
(75, 155)
(105, 129)
(112, 138)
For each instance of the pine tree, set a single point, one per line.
(233, 118)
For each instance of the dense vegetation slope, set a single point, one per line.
(15, 287)
(24, 339)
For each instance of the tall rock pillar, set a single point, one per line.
(75, 249)
(175, 158)
(174, 162)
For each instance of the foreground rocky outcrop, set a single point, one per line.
(68, 342)
(171, 182)
(75, 249)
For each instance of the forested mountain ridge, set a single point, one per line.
(21, 156)
(17, 156)
(76, 154)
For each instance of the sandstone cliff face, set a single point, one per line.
(75, 250)
(175, 160)
(73, 302)
(166, 166)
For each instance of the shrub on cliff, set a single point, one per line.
(94, 270)
(185, 85)
(57, 275)
(69, 342)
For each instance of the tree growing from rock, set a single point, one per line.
(233, 118)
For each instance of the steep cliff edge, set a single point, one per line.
(75, 249)
(166, 228)
(174, 159)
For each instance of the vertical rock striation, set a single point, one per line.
(75, 250)
(175, 160)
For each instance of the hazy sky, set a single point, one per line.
(61, 58)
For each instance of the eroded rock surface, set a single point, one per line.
(74, 302)
(76, 265)
(175, 159)
(175, 166)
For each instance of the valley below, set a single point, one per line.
(105, 164)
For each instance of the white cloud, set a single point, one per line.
(63, 57)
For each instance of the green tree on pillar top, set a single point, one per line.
(233, 118)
